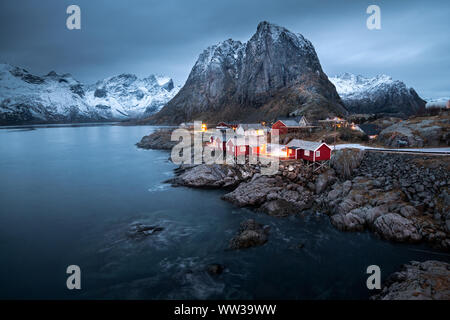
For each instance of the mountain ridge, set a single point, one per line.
(379, 94)
(53, 98)
(275, 73)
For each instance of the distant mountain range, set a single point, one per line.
(27, 98)
(276, 73)
(438, 103)
(380, 94)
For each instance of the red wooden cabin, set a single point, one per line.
(309, 150)
(258, 145)
(284, 126)
(219, 144)
(237, 147)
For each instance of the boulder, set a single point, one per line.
(279, 208)
(215, 269)
(250, 234)
(160, 139)
(139, 230)
(208, 176)
(324, 180)
(345, 161)
(393, 226)
(348, 222)
(252, 193)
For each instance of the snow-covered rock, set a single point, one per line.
(128, 96)
(27, 98)
(438, 103)
(275, 73)
(380, 94)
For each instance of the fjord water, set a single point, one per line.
(68, 195)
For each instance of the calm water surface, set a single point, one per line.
(68, 195)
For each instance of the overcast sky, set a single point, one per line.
(166, 36)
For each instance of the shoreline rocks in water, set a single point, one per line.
(139, 230)
(429, 280)
(250, 234)
(401, 197)
(215, 269)
(159, 139)
(211, 176)
(272, 195)
(289, 191)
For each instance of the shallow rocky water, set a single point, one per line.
(69, 194)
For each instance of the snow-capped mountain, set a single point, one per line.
(128, 96)
(380, 94)
(275, 73)
(27, 98)
(438, 103)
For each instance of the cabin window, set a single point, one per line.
(242, 149)
(317, 153)
(307, 153)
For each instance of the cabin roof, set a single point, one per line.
(306, 145)
(289, 122)
(256, 126)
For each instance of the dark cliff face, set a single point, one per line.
(276, 73)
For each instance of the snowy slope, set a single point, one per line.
(275, 73)
(438, 103)
(26, 98)
(380, 94)
(128, 96)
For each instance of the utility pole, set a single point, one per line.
(335, 134)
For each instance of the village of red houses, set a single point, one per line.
(257, 139)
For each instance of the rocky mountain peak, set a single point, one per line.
(267, 30)
(275, 73)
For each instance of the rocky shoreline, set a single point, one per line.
(400, 197)
(159, 139)
(427, 280)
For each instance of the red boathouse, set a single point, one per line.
(309, 150)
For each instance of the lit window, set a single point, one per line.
(317, 153)
(307, 153)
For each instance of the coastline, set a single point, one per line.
(352, 192)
